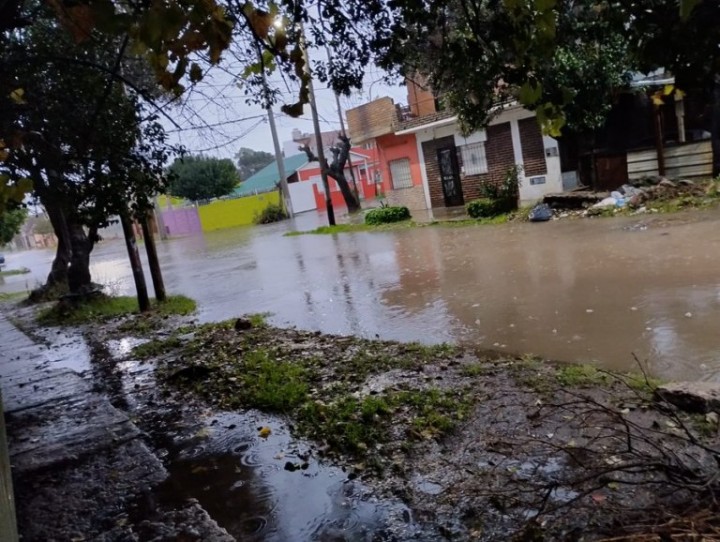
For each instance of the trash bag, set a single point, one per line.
(540, 213)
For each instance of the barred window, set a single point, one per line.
(400, 173)
(474, 159)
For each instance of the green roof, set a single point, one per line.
(267, 178)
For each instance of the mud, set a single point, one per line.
(542, 451)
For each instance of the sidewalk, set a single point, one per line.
(81, 469)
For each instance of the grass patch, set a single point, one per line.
(580, 376)
(156, 347)
(682, 203)
(11, 272)
(12, 296)
(474, 369)
(406, 224)
(102, 308)
(357, 426)
(255, 380)
(353, 228)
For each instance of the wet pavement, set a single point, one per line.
(576, 290)
(79, 463)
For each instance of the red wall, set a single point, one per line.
(365, 182)
(392, 147)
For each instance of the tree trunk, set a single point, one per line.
(57, 279)
(339, 176)
(135, 263)
(715, 130)
(79, 279)
(155, 271)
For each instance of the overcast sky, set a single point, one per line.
(216, 120)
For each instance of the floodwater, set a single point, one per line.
(595, 291)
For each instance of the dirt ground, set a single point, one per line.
(476, 445)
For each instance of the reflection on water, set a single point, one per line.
(594, 290)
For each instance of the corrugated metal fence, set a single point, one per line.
(683, 161)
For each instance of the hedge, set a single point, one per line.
(386, 215)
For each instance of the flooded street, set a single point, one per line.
(576, 290)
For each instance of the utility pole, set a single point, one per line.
(316, 126)
(284, 189)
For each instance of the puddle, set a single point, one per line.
(68, 351)
(242, 481)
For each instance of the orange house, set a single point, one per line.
(364, 166)
(373, 126)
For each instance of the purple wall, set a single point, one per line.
(181, 221)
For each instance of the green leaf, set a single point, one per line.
(686, 7)
(544, 5)
(530, 93)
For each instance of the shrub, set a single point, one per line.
(497, 198)
(482, 208)
(386, 215)
(272, 213)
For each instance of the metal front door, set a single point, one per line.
(450, 176)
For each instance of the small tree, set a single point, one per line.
(250, 162)
(202, 177)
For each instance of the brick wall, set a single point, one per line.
(412, 198)
(533, 151)
(371, 120)
(421, 100)
(500, 157)
(430, 148)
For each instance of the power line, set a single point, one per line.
(214, 125)
(232, 141)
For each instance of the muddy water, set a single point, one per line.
(241, 479)
(588, 290)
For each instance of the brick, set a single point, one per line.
(371, 120)
(533, 150)
(430, 148)
(500, 157)
(413, 198)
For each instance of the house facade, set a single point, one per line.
(364, 165)
(397, 162)
(425, 161)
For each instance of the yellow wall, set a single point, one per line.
(234, 212)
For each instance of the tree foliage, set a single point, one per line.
(86, 142)
(202, 177)
(10, 223)
(250, 161)
(565, 59)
